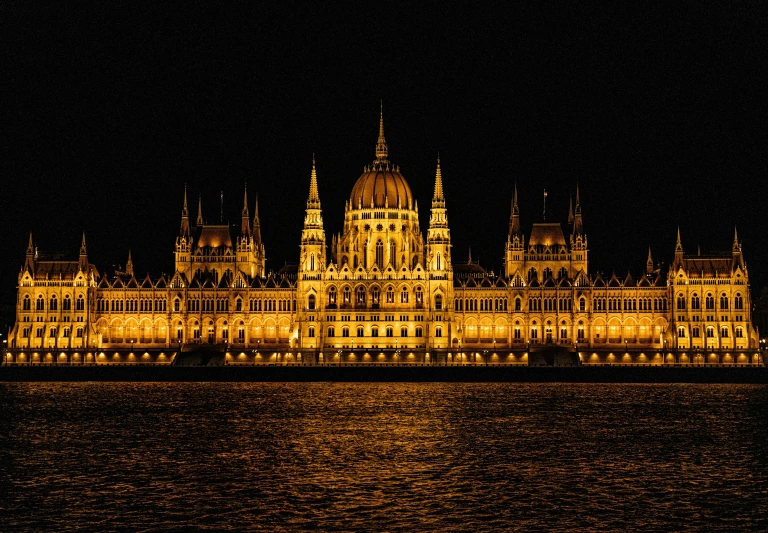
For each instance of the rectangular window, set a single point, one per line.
(311, 331)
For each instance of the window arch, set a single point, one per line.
(738, 301)
(393, 254)
(360, 296)
(66, 305)
(380, 254)
(518, 304)
(27, 304)
(404, 296)
(695, 303)
(54, 306)
(347, 295)
(723, 301)
(310, 302)
(710, 301)
(438, 302)
(332, 296)
(390, 295)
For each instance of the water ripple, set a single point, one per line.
(383, 457)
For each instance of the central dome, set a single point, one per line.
(381, 185)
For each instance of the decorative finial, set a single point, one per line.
(381, 146)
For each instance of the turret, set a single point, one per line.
(82, 263)
(438, 234)
(515, 248)
(313, 236)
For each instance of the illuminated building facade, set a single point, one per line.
(385, 294)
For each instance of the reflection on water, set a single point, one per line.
(394, 457)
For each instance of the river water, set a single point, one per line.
(383, 457)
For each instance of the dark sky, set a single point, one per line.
(658, 114)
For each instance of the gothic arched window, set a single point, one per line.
(380, 254)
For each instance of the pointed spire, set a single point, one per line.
(200, 210)
(83, 249)
(570, 210)
(514, 217)
(184, 210)
(184, 230)
(83, 261)
(578, 200)
(679, 243)
(245, 222)
(469, 256)
(736, 246)
(256, 222)
(314, 195)
(578, 223)
(129, 264)
(29, 262)
(438, 197)
(381, 146)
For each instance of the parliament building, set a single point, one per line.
(384, 292)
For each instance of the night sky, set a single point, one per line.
(108, 110)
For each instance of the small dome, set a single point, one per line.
(381, 185)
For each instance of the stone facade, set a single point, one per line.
(384, 294)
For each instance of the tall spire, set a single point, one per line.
(245, 223)
(83, 250)
(314, 196)
(256, 222)
(679, 243)
(514, 217)
(29, 263)
(129, 264)
(438, 196)
(570, 210)
(578, 223)
(83, 260)
(184, 230)
(736, 247)
(200, 210)
(381, 146)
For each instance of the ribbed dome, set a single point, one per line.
(383, 185)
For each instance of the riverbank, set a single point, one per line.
(360, 373)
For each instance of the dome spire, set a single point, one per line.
(381, 146)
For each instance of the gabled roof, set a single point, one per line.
(629, 281)
(614, 281)
(599, 282)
